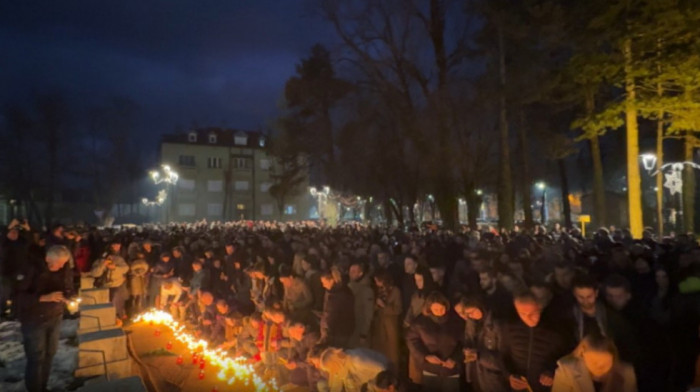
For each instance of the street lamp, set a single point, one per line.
(543, 207)
(321, 196)
(163, 175)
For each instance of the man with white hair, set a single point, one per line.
(43, 289)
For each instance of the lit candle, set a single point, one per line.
(201, 375)
(179, 360)
(169, 345)
(157, 332)
(202, 363)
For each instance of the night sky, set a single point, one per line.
(220, 63)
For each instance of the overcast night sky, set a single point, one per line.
(210, 62)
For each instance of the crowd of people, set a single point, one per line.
(358, 307)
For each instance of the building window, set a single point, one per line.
(261, 141)
(266, 209)
(212, 138)
(192, 137)
(240, 140)
(215, 185)
(215, 209)
(214, 163)
(241, 163)
(265, 187)
(185, 184)
(185, 209)
(241, 185)
(264, 164)
(290, 209)
(240, 207)
(186, 160)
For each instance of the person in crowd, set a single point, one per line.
(45, 287)
(424, 286)
(200, 280)
(138, 279)
(387, 312)
(183, 265)
(310, 265)
(162, 271)
(591, 316)
(14, 251)
(264, 286)
(149, 253)
(348, 370)
(434, 341)
(113, 270)
(218, 283)
(361, 287)
(480, 346)
(204, 313)
(168, 298)
(529, 349)
(297, 299)
(496, 297)
(301, 338)
(594, 366)
(338, 317)
(408, 282)
(386, 381)
(226, 325)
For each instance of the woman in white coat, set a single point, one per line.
(594, 367)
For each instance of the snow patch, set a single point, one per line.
(13, 361)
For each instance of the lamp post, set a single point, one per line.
(651, 162)
(543, 208)
(673, 178)
(321, 196)
(163, 175)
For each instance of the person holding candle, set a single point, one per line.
(42, 293)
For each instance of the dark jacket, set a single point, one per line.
(441, 337)
(530, 352)
(338, 319)
(12, 255)
(37, 280)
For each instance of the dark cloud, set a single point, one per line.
(212, 62)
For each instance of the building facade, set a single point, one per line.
(225, 174)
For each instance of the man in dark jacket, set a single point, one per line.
(338, 318)
(301, 338)
(13, 252)
(42, 292)
(530, 349)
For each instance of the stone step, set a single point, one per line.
(97, 317)
(101, 346)
(87, 282)
(115, 370)
(100, 384)
(94, 296)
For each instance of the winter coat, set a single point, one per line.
(297, 299)
(138, 277)
(360, 367)
(572, 376)
(385, 326)
(364, 309)
(305, 374)
(487, 372)
(114, 277)
(313, 280)
(12, 255)
(530, 352)
(441, 337)
(337, 323)
(38, 280)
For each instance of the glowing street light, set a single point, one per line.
(321, 197)
(543, 206)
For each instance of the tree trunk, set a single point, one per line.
(564, 183)
(505, 185)
(688, 185)
(599, 206)
(634, 191)
(525, 180)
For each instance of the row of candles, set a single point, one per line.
(231, 369)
